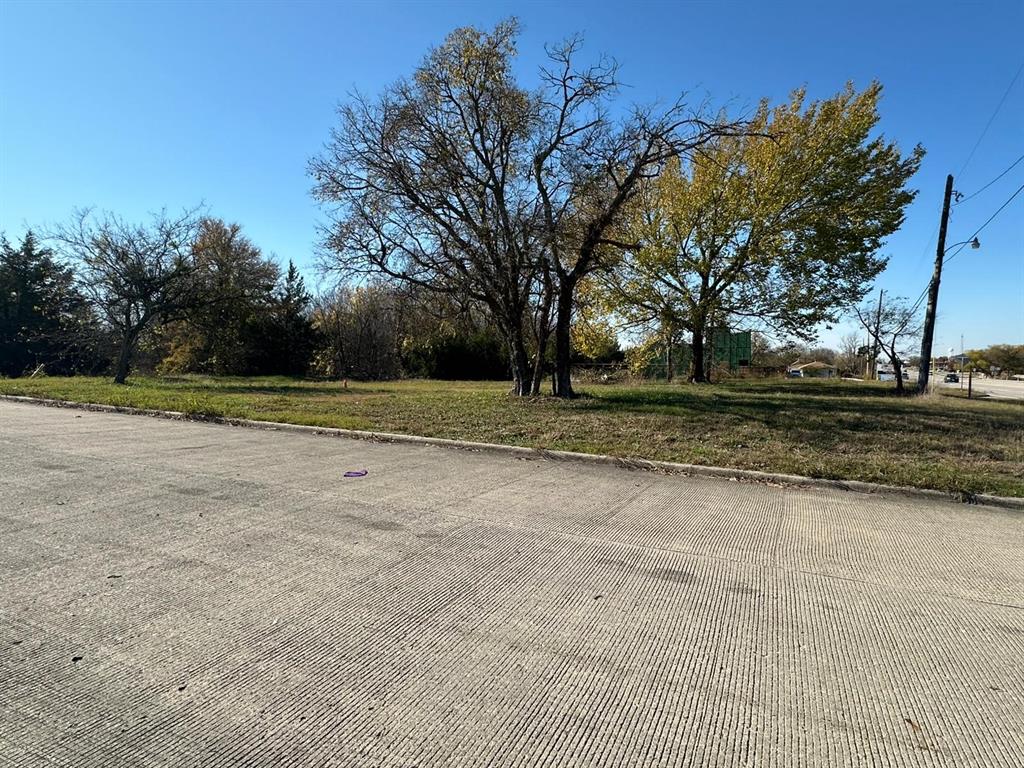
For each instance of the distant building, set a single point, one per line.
(814, 370)
(959, 362)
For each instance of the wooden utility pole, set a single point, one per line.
(933, 293)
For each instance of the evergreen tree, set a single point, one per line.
(283, 340)
(44, 319)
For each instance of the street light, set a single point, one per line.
(975, 245)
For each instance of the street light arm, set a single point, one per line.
(975, 244)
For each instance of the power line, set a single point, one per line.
(964, 167)
(919, 299)
(929, 244)
(978, 230)
(991, 119)
(968, 241)
(970, 157)
(997, 178)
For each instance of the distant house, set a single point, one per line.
(814, 370)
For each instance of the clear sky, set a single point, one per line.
(136, 106)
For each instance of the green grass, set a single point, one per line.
(826, 429)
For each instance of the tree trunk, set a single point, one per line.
(668, 359)
(124, 357)
(697, 373)
(898, 370)
(538, 363)
(543, 333)
(563, 339)
(521, 373)
(519, 361)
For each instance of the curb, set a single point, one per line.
(668, 467)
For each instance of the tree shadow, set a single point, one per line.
(223, 385)
(801, 407)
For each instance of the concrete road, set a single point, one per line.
(179, 594)
(1001, 389)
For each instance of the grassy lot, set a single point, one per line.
(822, 429)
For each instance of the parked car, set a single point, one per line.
(952, 378)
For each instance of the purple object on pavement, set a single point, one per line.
(356, 472)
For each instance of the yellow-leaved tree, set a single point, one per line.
(778, 227)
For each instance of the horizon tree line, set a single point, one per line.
(251, 318)
(220, 308)
(534, 214)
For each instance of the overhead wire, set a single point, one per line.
(963, 168)
(969, 240)
(987, 222)
(988, 125)
(997, 178)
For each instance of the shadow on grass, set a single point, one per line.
(242, 386)
(806, 406)
(283, 390)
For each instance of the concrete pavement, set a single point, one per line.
(1001, 389)
(182, 594)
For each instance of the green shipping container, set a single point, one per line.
(732, 349)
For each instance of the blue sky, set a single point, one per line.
(136, 106)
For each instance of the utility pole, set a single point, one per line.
(933, 293)
(874, 338)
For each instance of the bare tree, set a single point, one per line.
(461, 181)
(849, 358)
(425, 185)
(135, 275)
(361, 333)
(894, 328)
(588, 167)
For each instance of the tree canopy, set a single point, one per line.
(233, 282)
(135, 274)
(425, 184)
(775, 227)
(459, 179)
(44, 318)
(999, 358)
(471, 207)
(892, 325)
